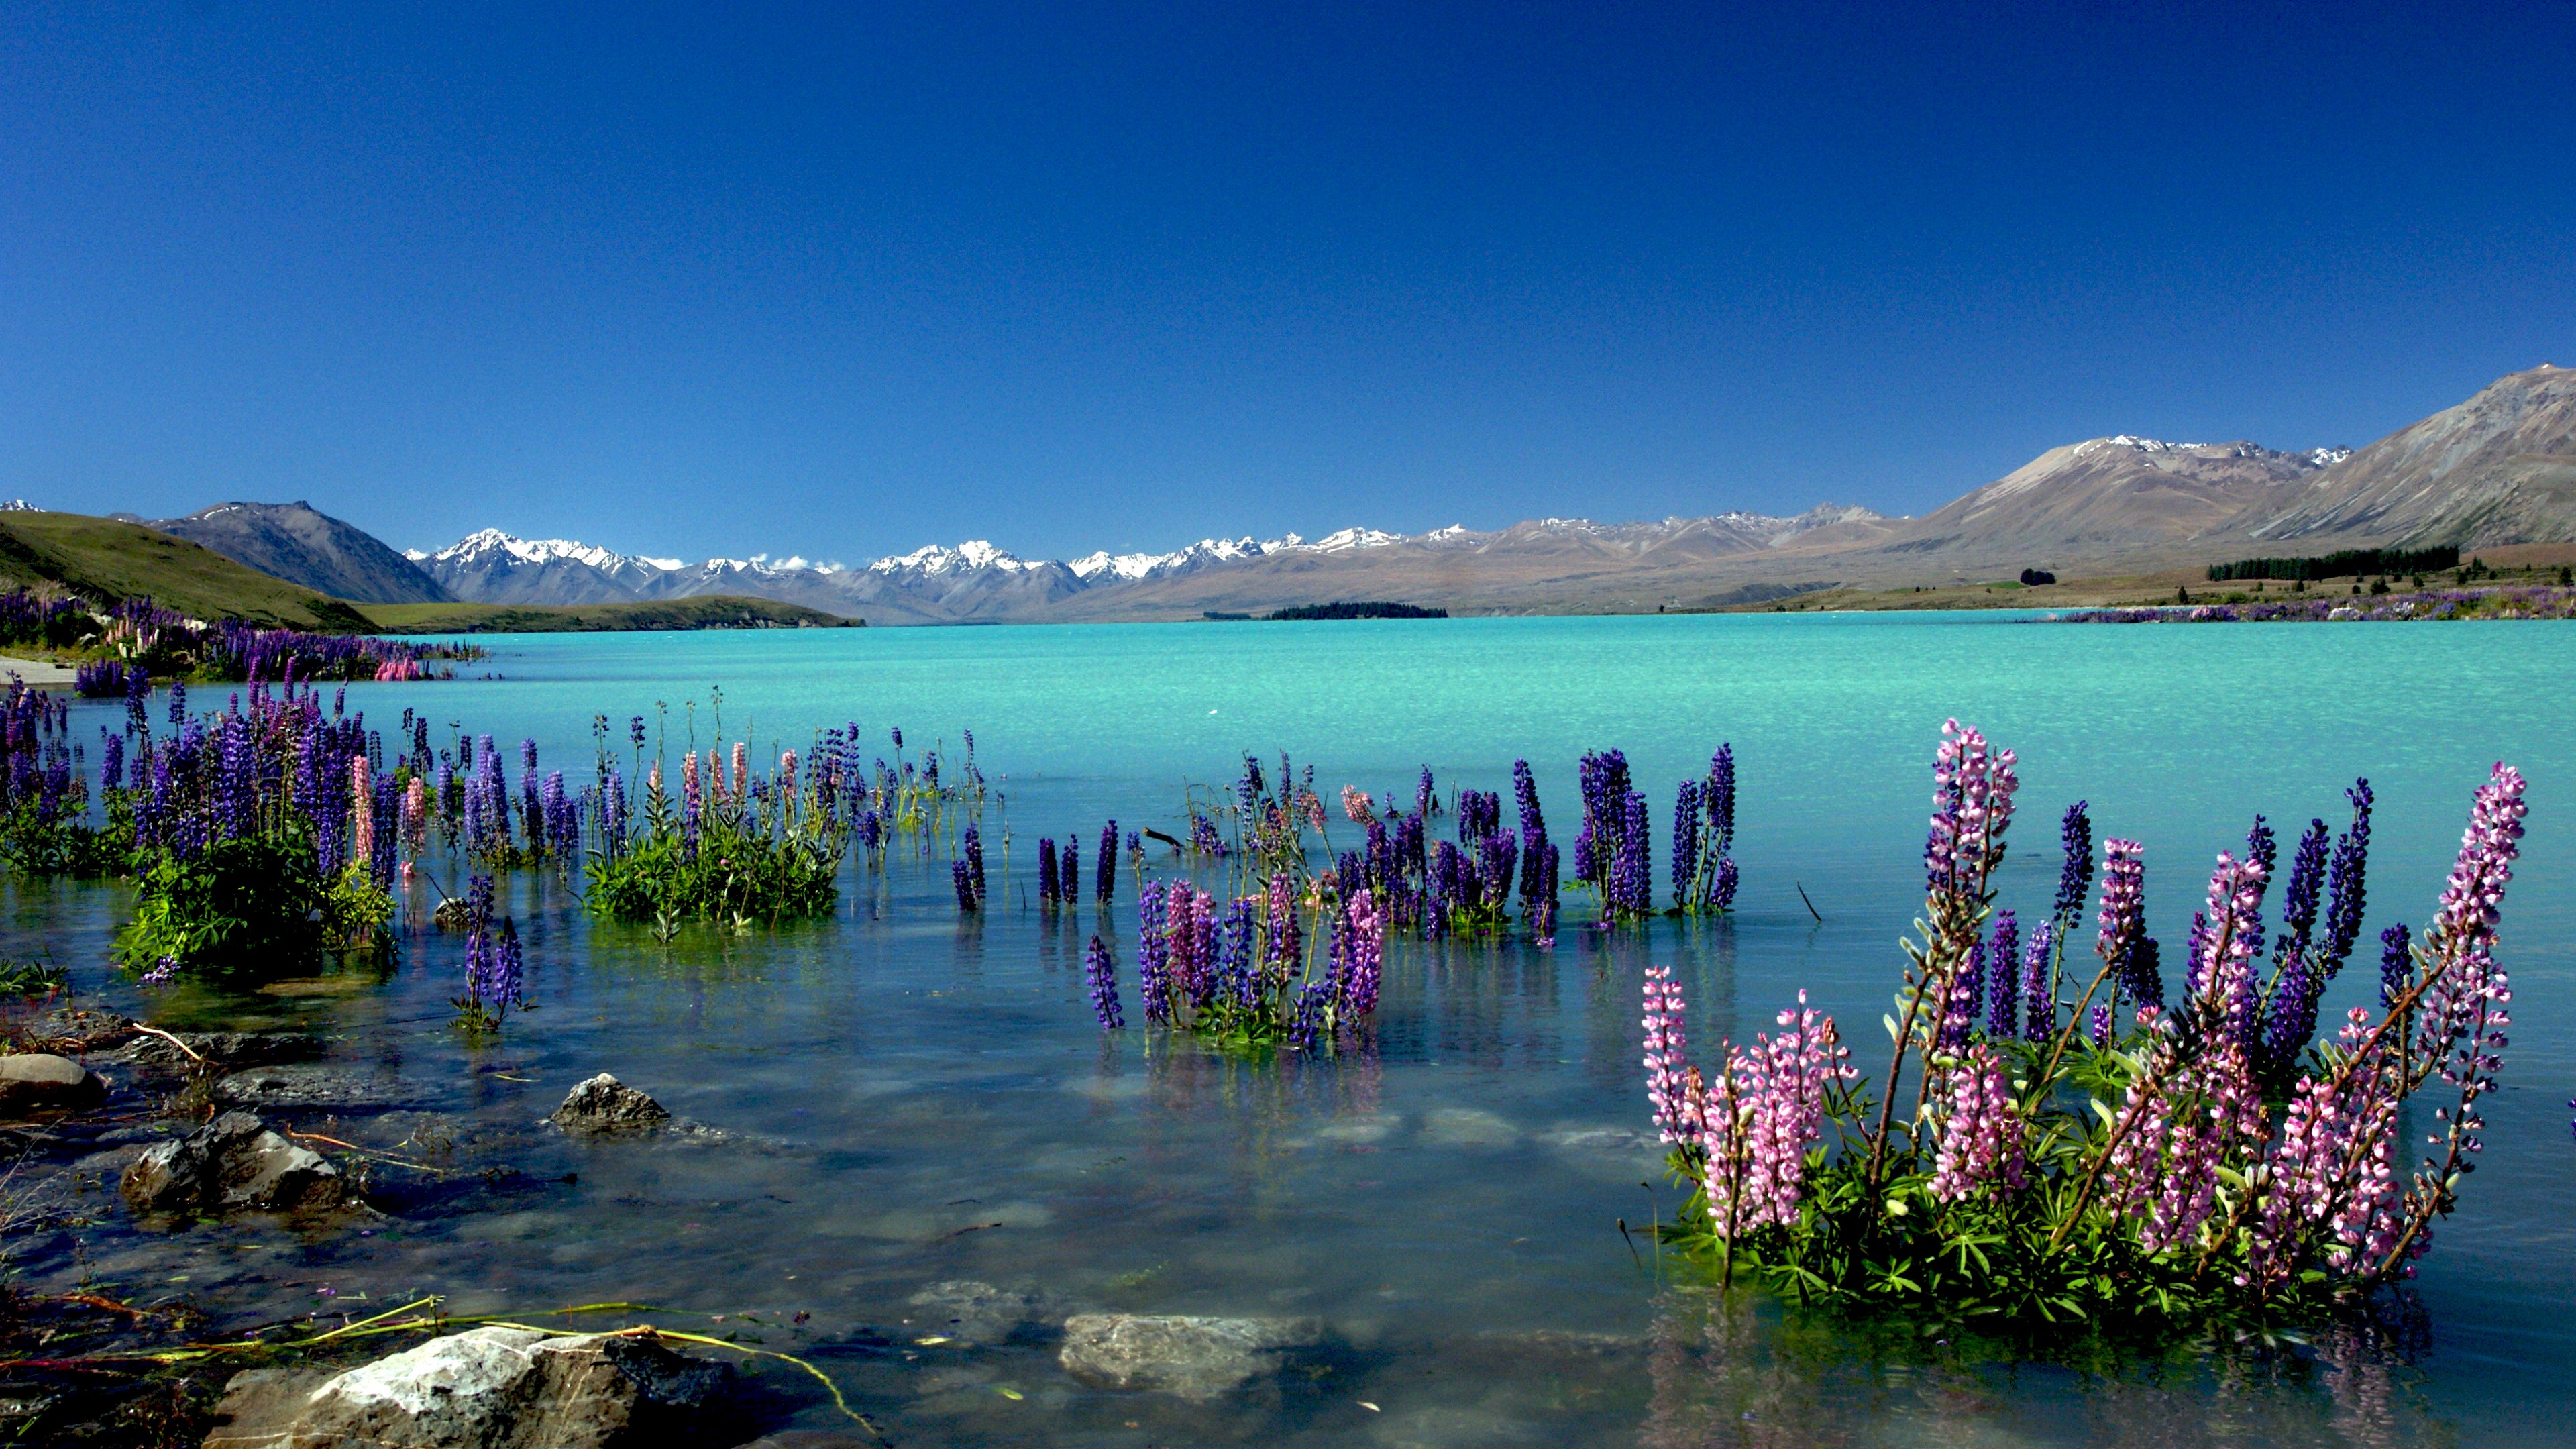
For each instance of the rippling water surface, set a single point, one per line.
(909, 1100)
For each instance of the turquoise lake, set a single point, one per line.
(912, 1100)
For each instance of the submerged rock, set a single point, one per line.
(42, 1082)
(1197, 1359)
(971, 1312)
(487, 1388)
(232, 1164)
(604, 1104)
(317, 1084)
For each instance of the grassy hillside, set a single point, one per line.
(710, 611)
(103, 559)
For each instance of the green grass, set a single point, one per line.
(104, 560)
(710, 611)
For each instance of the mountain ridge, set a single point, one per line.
(2498, 468)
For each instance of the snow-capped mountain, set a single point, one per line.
(492, 567)
(975, 580)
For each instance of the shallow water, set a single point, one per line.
(914, 1100)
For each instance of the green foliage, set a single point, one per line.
(732, 875)
(67, 844)
(251, 906)
(30, 978)
(2339, 564)
(1366, 609)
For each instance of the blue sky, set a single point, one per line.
(836, 281)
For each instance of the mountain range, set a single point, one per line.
(2497, 469)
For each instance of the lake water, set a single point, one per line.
(914, 1100)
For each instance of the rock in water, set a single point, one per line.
(234, 1163)
(972, 1312)
(487, 1388)
(605, 1104)
(39, 1081)
(1192, 1358)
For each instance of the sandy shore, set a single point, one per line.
(38, 673)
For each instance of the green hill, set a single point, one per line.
(706, 611)
(104, 559)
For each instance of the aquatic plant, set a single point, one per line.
(1247, 975)
(495, 971)
(2058, 1160)
(1704, 872)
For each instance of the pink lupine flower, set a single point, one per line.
(1981, 1153)
(1972, 794)
(1668, 1059)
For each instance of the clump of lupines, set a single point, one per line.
(1614, 852)
(967, 870)
(1704, 872)
(2062, 1154)
(1244, 974)
(495, 971)
(137, 637)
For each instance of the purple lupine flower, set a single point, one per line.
(2300, 894)
(111, 760)
(1306, 1023)
(972, 843)
(1104, 884)
(1361, 942)
(2039, 1002)
(178, 702)
(1153, 953)
(1238, 979)
(1632, 877)
(2003, 1019)
(2075, 875)
(2347, 892)
(1102, 975)
(1686, 843)
(964, 881)
(1047, 879)
(2396, 962)
(1980, 1151)
(2102, 1024)
(1543, 913)
(138, 695)
(1068, 865)
(1424, 797)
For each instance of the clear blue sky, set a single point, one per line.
(696, 280)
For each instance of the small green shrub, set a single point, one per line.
(731, 875)
(253, 905)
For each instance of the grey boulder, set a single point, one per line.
(234, 1163)
(486, 1388)
(604, 1104)
(1197, 1359)
(41, 1081)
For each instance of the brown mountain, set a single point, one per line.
(297, 543)
(2497, 469)
(2105, 499)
